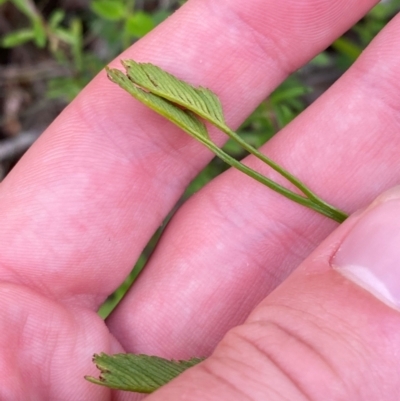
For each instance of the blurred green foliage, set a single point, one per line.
(67, 37)
(118, 23)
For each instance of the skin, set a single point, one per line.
(80, 206)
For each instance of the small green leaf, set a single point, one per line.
(56, 17)
(39, 33)
(77, 45)
(17, 38)
(347, 47)
(139, 24)
(65, 35)
(109, 9)
(288, 94)
(182, 118)
(200, 101)
(138, 373)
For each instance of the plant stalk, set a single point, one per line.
(314, 203)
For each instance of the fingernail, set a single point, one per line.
(370, 253)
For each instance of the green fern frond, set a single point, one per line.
(187, 106)
(138, 373)
(200, 101)
(182, 118)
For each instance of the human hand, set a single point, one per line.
(82, 203)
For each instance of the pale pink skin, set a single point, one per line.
(78, 209)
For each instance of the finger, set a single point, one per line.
(78, 209)
(232, 243)
(318, 335)
(46, 349)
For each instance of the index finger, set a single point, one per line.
(79, 208)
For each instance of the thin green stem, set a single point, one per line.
(284, 173)
(325, 209)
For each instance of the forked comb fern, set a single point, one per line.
(138, 373)
(187, 107)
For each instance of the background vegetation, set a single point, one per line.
(49, 50)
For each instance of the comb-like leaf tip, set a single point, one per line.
(129, 63)
(138, 373)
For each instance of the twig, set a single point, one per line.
(13, 147)
(44, 70)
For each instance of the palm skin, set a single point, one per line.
(83, 202)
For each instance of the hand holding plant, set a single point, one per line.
(84, 201)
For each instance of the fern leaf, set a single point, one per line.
(182, 104)
(182, 118)
(200, 101)
(138, 373)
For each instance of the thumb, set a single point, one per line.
(331, 331)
